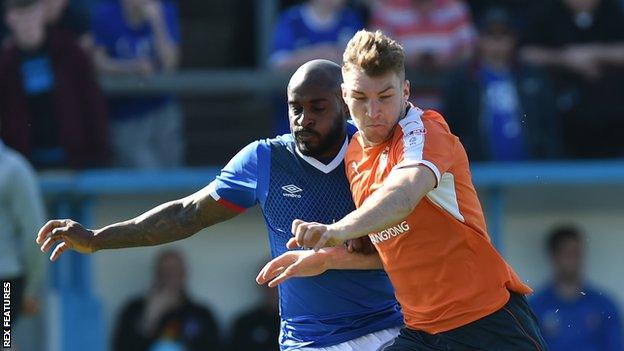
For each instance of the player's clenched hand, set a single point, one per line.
(70, 235)
(300, 263)
(314, 235)
(361, 245)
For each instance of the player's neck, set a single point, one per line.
(329, 155)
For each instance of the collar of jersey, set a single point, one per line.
(325, 168)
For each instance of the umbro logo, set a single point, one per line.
(292, 190)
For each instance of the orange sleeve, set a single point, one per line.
(425, 140)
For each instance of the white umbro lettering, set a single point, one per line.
(291, 190)
(389, 232)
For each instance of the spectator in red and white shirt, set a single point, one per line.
(434, 33)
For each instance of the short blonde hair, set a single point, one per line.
(374, 53)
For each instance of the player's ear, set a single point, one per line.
(345, 110)
(344, 91)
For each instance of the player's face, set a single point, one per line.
(568, 260)
(376, 103)
(317, 120)
(497, 45)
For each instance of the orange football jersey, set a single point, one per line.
(444, 269)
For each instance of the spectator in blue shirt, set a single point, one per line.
(141, 37)
(502, 109)
(573, 315)
(316, 29)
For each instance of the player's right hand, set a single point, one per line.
(314, 235)
(300, 263)
(70, 235)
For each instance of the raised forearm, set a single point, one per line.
(107, 65)
(383, 208)
(543, 56)
(612, 54)
(390, 204)
(166, 49)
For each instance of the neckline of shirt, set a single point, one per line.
(325, 168)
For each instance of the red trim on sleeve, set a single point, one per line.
(232, 206)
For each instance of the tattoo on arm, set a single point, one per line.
(171, 221)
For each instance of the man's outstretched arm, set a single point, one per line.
(165, 223)
(307, 263)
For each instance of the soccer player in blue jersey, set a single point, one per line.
(298, 175)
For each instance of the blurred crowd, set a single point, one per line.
(519, 80)
(167, 318)
(51, 106)
(516, 79)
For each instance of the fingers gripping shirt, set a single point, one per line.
(439, 258)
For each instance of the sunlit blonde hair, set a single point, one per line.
(374, 53)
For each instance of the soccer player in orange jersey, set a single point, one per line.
(411, 183)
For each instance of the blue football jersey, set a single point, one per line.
(338, 305)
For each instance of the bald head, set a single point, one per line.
(322, 74)
(316, 111)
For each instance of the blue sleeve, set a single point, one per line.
(237, 182)
(173, 20)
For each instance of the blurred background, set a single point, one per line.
(110, 107)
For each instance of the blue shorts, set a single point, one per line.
(512, 328)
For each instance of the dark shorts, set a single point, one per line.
(17, 293)
(512, 328)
